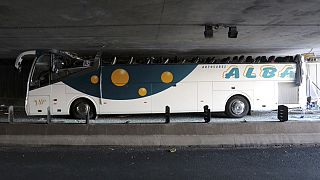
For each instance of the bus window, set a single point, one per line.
(64, 65)
(41, 72)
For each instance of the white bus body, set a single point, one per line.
(149, 88)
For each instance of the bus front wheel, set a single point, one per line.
(78, 109)
(237, 107)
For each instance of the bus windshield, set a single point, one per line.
(41, 72)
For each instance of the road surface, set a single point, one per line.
(101, 162)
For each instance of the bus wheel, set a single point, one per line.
(237, 107)
(78, 109)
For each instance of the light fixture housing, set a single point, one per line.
(208, 31)
(233, 32)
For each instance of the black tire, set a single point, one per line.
(78, 109)
(237, 107)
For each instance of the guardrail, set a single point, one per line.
(10, 111)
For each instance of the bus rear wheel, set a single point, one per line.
(237, 107)
(78, 109)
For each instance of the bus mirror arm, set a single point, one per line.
(19, 59)
(18, 66)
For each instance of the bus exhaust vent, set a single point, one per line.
(288, 93)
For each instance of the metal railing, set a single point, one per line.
(48, 119)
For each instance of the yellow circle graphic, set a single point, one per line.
(167, 77)
(94, 79)
(142, 91)
(120, 77)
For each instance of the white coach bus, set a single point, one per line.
(67, 84)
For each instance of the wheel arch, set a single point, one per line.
(84, 98)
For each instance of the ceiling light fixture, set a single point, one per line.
(233, 33)
(208, 31)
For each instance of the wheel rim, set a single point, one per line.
(238, 107)
(81, 109)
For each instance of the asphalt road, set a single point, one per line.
(79, 162)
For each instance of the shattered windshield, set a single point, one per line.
(65, 65)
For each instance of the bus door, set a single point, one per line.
(61, 68)
(39, 89)
(58, 103)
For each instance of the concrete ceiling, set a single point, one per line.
(160, 26)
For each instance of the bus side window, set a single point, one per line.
(63, 66)
(59, 68)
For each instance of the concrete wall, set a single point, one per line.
(13, 84)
